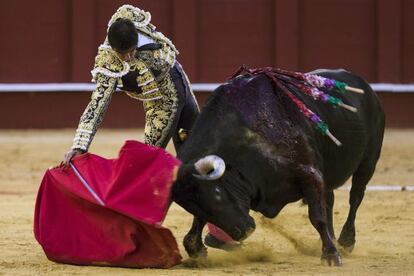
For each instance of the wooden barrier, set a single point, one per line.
(63, 110)
(56, 40)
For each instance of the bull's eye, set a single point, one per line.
(217, 193)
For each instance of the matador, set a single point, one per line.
(149, 72)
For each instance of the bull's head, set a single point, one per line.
(217, 193)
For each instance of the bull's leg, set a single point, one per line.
(330, 199)
(193, 243)
(360, 180)
(317, 216)
(313, 190)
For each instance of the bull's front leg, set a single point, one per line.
(311, 182)
(193, 242)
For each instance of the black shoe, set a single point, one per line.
(212, 241)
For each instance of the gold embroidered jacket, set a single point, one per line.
(109, 70)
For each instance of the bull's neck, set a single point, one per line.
(243, 187)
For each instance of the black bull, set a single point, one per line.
(273, 155)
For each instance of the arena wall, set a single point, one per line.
(55, 41)
(63, 109)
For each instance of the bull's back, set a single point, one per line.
(360, 132)
(272, 114)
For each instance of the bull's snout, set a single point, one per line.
(240, 233)
(248, 233)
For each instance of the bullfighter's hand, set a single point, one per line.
(69, 155)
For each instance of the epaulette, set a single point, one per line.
(139, 17)
(109, 64)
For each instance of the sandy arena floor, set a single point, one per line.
(285, 245)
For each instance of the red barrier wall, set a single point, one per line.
(56, 40)
(63, 110)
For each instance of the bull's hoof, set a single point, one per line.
(194, 247)
(332, 259)
(198, 252)
(213, 242)
(347, 241)
(347, 249)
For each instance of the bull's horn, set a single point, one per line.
(210, 167)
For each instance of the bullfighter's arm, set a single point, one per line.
(107, 72)
(94, 112)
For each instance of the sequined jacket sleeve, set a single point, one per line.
(107, 73)
(93, 115)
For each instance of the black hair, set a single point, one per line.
(122, 35)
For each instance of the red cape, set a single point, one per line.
(111, 212)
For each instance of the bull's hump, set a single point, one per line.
(245, 82)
